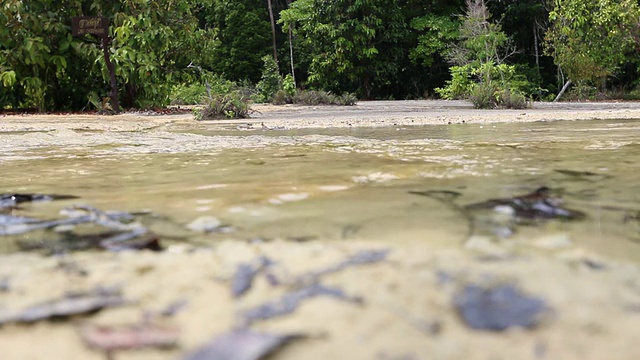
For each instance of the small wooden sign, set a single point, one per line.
(93, 25)
(98, 26)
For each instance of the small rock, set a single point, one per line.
(485, 245)
(553, 242)
(241, 344)
(204, 224)
(377, 177)
(293, 196)
(330, 188)
(4, 284)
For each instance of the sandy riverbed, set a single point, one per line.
(407, 300)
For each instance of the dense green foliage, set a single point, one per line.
(187, 50)
(590, 40)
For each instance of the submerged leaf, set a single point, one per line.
(498, 308)
(243, 344)
(110, 338)
(63, 307)
(537, 205)
(290, 302)
(11, 200)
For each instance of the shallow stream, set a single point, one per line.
(343, 184)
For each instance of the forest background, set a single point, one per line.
(494, 52)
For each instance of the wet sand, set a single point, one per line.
(370, 113)
(407, 308)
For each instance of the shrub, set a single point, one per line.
(582, 91)
(271, 80)
(289, 85)
(234, 105)
(511, 99)
(460, 85)
(184, 94)
(281, 97)
(347, 99)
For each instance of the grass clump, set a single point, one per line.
(233, 105)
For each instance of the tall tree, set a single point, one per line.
(152, 43)
(272, 21)
(352, 43)
(243, 35)
(589, 39)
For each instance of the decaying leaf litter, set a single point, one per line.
(496, 304)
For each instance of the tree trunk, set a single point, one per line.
(564, 88)
(273, 31)
(293, 71)
(112, 75)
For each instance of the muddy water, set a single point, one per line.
(354, 183)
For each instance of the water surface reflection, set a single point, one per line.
(344, 184)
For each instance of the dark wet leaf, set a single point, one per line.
(631, 216)
(582, 175)
(4, 284)
(290, 302)
(498, 308)
(6, 220)
(137, 239)
(361, 258)
(441, 195)
(21, 227)
(243, 279)
(137, 336)
(537, 205)
(11, 200)
(243, 344)
(123, 232)
(246, 273)
(110, 240)
(174, 308)
(594, 264)
(69, 305)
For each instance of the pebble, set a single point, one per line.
(485, 245)
(204, 224)
(330, 188)
(553, 242)
(293, 196)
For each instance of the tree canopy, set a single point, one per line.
(377, 49)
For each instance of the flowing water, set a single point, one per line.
(343, 184)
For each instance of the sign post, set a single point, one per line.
(99, 27)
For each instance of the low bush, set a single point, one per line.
(581, 92)
(511, 99)
(315, 97)
(190, 94)
(312, 97)
(482, 96)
